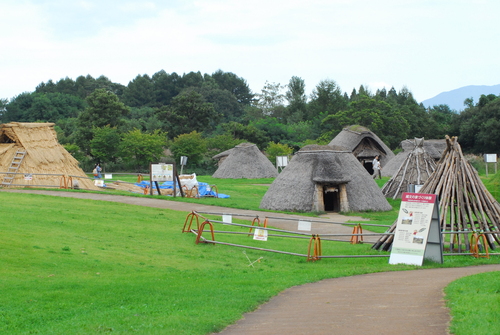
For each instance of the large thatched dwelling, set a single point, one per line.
(246, 161)
(32, 149)
(433, 147)
(324, 178)
(364, 145)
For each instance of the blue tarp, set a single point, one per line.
(204, 189)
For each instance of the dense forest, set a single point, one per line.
(199, 115)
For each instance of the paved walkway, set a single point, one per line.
(402, 302)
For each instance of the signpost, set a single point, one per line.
(281, 162)
(490, 158)
(418, 232)
(162, 172)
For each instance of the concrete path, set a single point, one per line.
(402, 302)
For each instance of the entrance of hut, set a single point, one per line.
(331, 199)
(368, 165)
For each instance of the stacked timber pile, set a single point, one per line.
(465, 206)
(415, 169)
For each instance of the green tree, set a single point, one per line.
(192, 145)
(271, 99)
(250, 133)
(297, 100)
(48, 107)
(104, 108)
(235, 85)
(140, 149)
(139, 92)
(104, 145)
(326, 97)
(277, 149)
(188, 112)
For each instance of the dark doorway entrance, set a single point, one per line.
(331, 198)
(368, 165)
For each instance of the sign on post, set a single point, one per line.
(418, 233)
(490, 158)
(281, 162)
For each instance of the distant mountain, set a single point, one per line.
(455, 98)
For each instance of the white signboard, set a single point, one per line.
(260, 234)
(162, 172)
(227, 218)
(108, 176)
(304, 225)
(417, 217)
(281, 161)
(28, 176)
(490, 158)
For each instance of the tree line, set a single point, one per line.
(199, 115)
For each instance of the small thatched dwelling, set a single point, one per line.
(33, 149)
(415, 170)
(222, 156)
(364, 145)
(324, 178)
(246, 161)
(434, 148)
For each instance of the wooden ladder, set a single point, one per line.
(14, 166)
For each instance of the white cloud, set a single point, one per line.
(429, 47)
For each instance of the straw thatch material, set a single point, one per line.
(44, 154)
(416, 169)
(222, 156)
(246, 161)
(316, 170)
(365, 145)
(465, 203)
(434, 148)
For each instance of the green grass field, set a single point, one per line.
(70, 266)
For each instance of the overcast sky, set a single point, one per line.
(428, 46)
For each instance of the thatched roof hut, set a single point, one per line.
(324, 178)
(434, 148)
(32, 148)
(246, 161)
(415, 169)
(364, 145)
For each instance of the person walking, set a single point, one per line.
(376, 168)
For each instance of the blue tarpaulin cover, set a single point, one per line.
(204, 189)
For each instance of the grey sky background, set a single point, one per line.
(428, 46)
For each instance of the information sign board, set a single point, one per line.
(162, 172)
(417, 235)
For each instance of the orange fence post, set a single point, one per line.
(62, 182)
(474, 245)
(355, 239)
(191, 215)
(316, 252)
(255, 219)
(200, 231)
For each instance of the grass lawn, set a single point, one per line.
(72, 266)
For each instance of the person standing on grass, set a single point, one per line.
(376, 168)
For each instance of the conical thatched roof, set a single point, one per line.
(44, 155)
(415, 169)
(246, 161)
(465, 203)
(364, 144)
(433, 147)
(314, 169)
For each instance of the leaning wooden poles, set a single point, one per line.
(466, 206)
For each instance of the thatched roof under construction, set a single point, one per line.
(246, 161)
(415, 169)
(315, 167)
(433, 147)
(465, 206)
(363, 143)
(44, 155)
